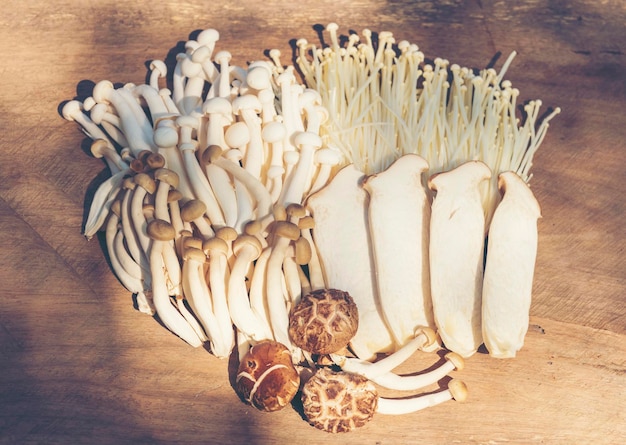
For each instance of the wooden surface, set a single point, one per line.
(79, 365)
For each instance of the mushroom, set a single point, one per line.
(246, 249)
(508, 279)
(199, 182)
(341, 235)
(162, 232)
(199, 298)
(166, 179)
(324, 321)
(399, 218)
(457, 238)
(266, 377)
(296, 183)
(340, 401)
(145, 185)
(193, 212)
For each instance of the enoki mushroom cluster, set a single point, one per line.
(235, 191)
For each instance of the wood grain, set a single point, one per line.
(78, 364)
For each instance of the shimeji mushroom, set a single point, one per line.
(246, 249)
(341, 235)
(511, 254)
(340, 401)
(399, 224)
(200, 301)
(161, 232)
(457, 238)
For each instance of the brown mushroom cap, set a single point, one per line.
(338, 401)
(324, 321)
(161, 230)
(192, 209)
(167, 175)
(267, 378)
(144, 180)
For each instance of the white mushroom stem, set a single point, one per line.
(131, 239)
(508, 280)
(158, 71)
(316, 274)
(218, 275)
(101, 148)
(297, 182)
(456, 391)
(73, 111)
(423, 339)
(341, 235)
(166, 180)
(284, 232)
(104, 92)
(390, 380)
(199, 182)
(101, 115)
(154, 101)
(274, 134)
(457, 229)
(246, 249)
(200, 301)
(248, 107)
(399, 220)
(253, 185)
(166, 139)
(219, 113)
(258, 302)
(130, 281)
(162, 232)
(191, 318)
(224, 192)
(102, 200)
(145, 184)
(326, 158)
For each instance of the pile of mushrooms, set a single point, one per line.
(312, 227)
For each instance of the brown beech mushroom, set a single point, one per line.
(267, 378)
(324, 321)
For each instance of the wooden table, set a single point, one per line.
(79, 365)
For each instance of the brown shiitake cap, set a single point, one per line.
(161, 230)
(144, 180)
(167, 175)
(338, 401)
(324, 321)
(192, 209)
(266, 377)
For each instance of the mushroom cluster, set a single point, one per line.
(320, 223)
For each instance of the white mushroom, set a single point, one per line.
(508, 280)
(457, 238)
(341, 235)
(161, 233)
(399, 224)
